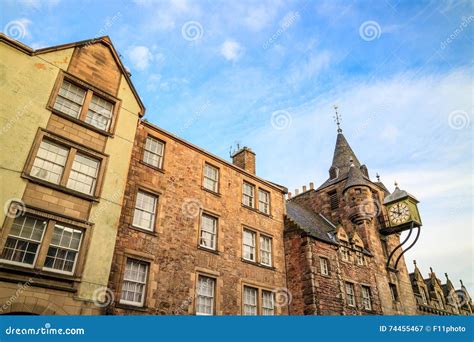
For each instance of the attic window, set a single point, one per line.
(84, 104)
(333, 172)
(334, 200)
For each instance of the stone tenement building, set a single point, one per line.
(105, 213)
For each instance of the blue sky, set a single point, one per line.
(266, 73)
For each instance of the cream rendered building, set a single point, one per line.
(68, 117)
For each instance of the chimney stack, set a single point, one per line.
(304, 188)
(311, 186)
(245, 159)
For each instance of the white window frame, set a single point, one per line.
(94, 182)
(207, 179)
(81, 105)
(350, 294)
(37, 157)
(324, 265)
(136, 281)
(212, 233)
(51, 269)
(153, 213)
(251, 247)
(101, 113)
(366, 297)
(360, 258)
(39, 243)
(246, 304)
(266, 203)
(159, 154)
(213, 295)
(262, 250)
(272, 300)
(248, 197)
(345, 253)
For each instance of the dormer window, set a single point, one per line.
(333, 172)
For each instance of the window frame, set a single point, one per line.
(40, 259)
(145, 287)
(254, 188)
(90, 91)
(326, 263)
(218, 181)
(155, 213)
(73, 149)
(196, 294)
(366, 299)
(258, 255)
(261, 190)
(216, 233)
(394, 292)
(260, 290)
(143, 150)
(350, 285)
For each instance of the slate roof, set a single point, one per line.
(355, 178)
(397, 195)
(311, 222)
(343, 153)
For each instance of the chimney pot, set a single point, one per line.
(289, 195)
(304, 188)
(245, 159)
(311, 185)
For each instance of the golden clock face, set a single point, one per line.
(399, 213)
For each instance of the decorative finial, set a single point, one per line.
(378, 177)
(431, 269)
(414, 262)
(396, 184)
(337, 119)
(446, 275)
(460, 280)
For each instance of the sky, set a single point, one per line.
(266, 74)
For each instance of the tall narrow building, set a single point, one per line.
(68, 118)
(336, 254)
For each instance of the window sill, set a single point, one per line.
(213, 251)
(80, 122)
(152, 167)
(39, 278)
(60, 188)
(256, 210)
(143, 230)
(211, 192)
(272, 268)
(131, 307)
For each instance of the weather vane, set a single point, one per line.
(337, 119)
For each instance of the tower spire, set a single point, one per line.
(337, 119)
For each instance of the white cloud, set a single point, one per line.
(140, 56)
(231, 50)
(309, 68)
